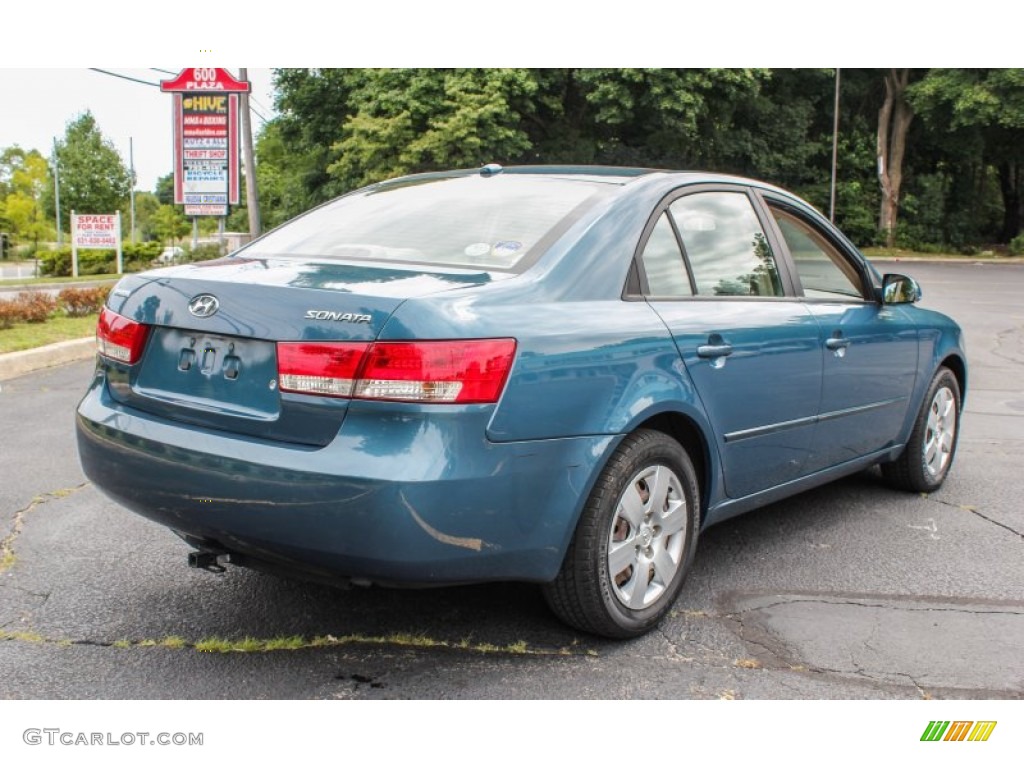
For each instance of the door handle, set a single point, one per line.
(714, 350)
(837, 342)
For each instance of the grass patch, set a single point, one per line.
(7, 560)
(902, 253)
(30, 335)
(297, 643)
(17, 281)
(25, 637)
(293, 643)
(214, 645)
(248, 644)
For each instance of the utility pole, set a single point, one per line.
(835, 154)
(56, 192)
(252, 199)
(131, 164)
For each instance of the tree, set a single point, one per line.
(339, 129)
(146, 207)
(23, 176)
(948, 176)
(409, 120)
(165, 189)
(169, 224)
(93, 177)
(894, 119)
(982, 108)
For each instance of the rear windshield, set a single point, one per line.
(497, 222)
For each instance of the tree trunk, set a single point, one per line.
(1011, 185)
(893, 123)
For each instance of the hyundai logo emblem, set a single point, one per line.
(203, 305)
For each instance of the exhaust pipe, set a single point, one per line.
(209, 560)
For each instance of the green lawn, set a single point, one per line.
(30, 335)
(47, 280)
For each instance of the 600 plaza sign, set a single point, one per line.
(206, 178)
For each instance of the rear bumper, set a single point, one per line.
(412, 495)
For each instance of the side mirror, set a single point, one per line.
(900, 289)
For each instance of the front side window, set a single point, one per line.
(726, 246)
(823, 270)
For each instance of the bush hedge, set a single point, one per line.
(39, 306)
(99, 262)
(78, 302)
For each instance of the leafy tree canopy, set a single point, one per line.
(962, 171)
(93, 177)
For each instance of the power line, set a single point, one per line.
(123, 77)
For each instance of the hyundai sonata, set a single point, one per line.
(554, 375)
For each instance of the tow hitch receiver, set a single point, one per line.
(208, 560)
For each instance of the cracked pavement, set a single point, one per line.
(848, 591)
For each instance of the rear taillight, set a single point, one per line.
(472, 371)
(436, 371)
(119, 338)
(319, 369)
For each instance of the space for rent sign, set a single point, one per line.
(206, 167)
(96, 230)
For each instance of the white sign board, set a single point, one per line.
(95, 230)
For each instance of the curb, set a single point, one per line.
(14, 364)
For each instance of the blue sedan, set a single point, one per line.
(555, 375)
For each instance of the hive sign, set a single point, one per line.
(205, 139)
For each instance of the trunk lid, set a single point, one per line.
(215, 365)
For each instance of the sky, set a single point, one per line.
(37, 104)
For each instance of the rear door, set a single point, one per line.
(750, 347)
(869, 350)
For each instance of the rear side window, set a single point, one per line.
(466, 221)
(725, 245)
(663, 262)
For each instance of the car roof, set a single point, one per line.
(606, 174)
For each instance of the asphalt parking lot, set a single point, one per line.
(849, 591)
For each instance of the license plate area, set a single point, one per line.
(226, 374)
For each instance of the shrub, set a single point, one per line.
(55, 263)
(1017, 246)
(36, 306)
(78, 302)
(98, 262)
(205, 251)
(10, 313)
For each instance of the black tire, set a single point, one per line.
(622, 530)
(928, 455)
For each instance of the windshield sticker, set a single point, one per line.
(477, 249)
(506, 247)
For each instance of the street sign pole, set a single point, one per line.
(120, 258)
(74, 245)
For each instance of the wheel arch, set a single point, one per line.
(956, 364)
(688, 434)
